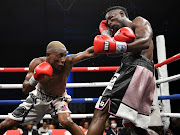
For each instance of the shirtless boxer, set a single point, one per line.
(46, 84)
(130, 92)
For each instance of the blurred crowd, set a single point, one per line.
(112, 127)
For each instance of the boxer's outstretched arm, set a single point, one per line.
(26, 85)
(81, 56)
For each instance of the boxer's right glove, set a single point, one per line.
(42, 69)
(107, 45)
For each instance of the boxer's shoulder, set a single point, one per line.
(71, 57)
(139, 21)
(39, 60)
(36, 61)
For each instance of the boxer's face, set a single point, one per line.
(115, 19)
(56, 57)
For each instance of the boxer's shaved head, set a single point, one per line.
(55, 44)
(56, 55)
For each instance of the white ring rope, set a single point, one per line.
(73, 116)
(69, 85)
(82, 116)
(91, 84)
(172, 115)
(168, 79)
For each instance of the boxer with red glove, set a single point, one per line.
(106, 44)
(39, 72)
(123, 96)
(49, 96)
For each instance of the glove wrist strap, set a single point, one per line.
(121, 47)
(32, 81)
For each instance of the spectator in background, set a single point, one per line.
(107, 125)
(35, 127)
(113, 129)
(86, 124)
(30, 131)
(43, 129)
(17, 128)
(50, 128)
(48, 122)
(168, 132)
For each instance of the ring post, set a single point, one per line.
(162, 73)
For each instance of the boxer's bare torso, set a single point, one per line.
(55, 84)
(143, 43)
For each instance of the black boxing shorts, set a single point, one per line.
(130, 91)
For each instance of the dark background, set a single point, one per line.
(26, 27)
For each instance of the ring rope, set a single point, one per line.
(69, 85)
(74, 69)
(172, 97)
(88, 100)
(91, 84)
(81, 116)
(91, 69)
(172, 115)
(73, 116)
(169, 60)
(168, 79)
(74, 100)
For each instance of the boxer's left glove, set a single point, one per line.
(39, 72)
(104, 28)
(124, 34)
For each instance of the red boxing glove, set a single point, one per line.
(42, 69)
(104, 28)
(107, 45)
(125, 34)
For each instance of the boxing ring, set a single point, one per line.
(161, 99)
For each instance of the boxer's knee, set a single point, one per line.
(65, 120)
(66, 123)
